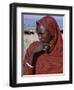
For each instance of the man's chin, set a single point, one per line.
(44, 42)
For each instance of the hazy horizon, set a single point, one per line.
(30, 20)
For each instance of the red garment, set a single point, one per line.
(51, 62)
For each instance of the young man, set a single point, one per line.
(45, 56)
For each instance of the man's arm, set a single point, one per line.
(28, 61)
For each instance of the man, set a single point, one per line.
(45, 56)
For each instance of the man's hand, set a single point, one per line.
(38, 48)
(35, 50)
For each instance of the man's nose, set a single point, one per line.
(39, 37)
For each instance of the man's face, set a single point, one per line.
(43, 34)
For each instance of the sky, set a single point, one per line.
(30, 20)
